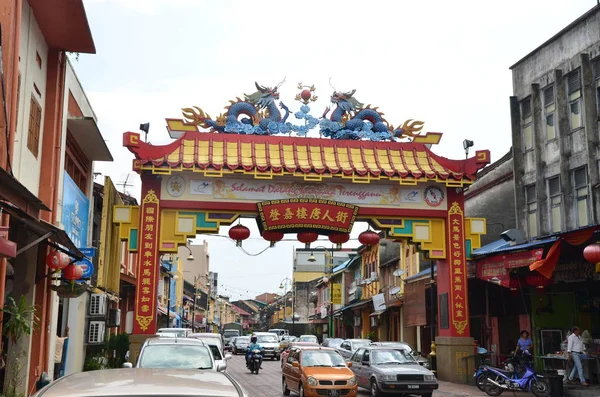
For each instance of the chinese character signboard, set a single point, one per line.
(496, 268)
(75, 212)
(336, 297)
(294, 214)
(459, 303)
(146, 290)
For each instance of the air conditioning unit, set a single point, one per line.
(373, 276)
(96, 332)
(114, 318)
(98, 305)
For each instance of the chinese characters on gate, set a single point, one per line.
(458, 278)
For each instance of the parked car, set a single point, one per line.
(349, 346)
(386, 370)
(405, 346)
(279, 332)
(218, 337)
(180, 332)
(308, 338)
(176, 353)
(294, 345)
(240, 344)
(142, 382)
(317, 371)
(270, 344)
(285, 341)
(216, 347)
(332, 342)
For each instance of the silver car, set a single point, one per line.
(176, 353)
(385, 370)
(240, 344)
(141, 382)
(405, 346)
(270, 344)
(349, 346)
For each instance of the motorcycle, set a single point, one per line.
(481, 373)
(522, 377)
(254, 361)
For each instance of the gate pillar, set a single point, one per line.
(454, 344)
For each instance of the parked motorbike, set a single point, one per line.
(481, 372)
(520, 377)
(254, 361)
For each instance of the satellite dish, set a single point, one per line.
(352, 290)
(399, 272)
(394, 290)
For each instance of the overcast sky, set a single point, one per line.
(443, 62)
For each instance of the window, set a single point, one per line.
(35, 122)
(549, 113)
(526, 124)
(555, 204)
(582, 194)
(531, 199)
(596, 67)
(574, 98)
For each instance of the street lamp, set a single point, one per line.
(283, 285)
(190, 256)
(312, 258)
(174, 277)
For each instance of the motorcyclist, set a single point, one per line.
(254, 345)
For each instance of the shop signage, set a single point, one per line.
(75, 212)
(379, 302)
(336, 294)
(86, 263)
(306, 213)
(146, 291)
(459, 302)
(494, 272)
(496, 268)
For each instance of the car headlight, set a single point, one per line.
(311, 381)
(388, 377)
(352, 381)
(429, 377)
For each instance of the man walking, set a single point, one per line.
(576, 354)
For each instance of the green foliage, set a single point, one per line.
(13, 380)
(20, 318)
(111, 354)
(373, 336)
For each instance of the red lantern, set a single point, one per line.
(514, 284)
(73, 272)
(538, 281)
(368, 237)
(57, 260)
(592, 254)
(272, 236)
(307, 238)
(239, 233)
(339, 238)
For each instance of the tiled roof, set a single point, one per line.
(308, 157)
(240, 310)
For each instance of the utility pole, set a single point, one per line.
(194, 303)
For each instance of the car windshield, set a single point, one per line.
(360, 343)
(322, 358)
(175, 356)
(231, 333)
(242, 339)
(334, 342)
(388, 357)
(308, 338)
(180, 333)
(267, 339)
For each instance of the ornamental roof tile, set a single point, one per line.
(311, 158)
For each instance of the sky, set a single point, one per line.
(445, 63)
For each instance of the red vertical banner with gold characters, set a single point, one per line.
(457, 272)
(148, 261)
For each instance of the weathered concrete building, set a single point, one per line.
(554, 115)
(492, 196)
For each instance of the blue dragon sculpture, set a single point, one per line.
(352, 120)
(263, 116)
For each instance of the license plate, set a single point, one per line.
(413, 386)
(333, 393)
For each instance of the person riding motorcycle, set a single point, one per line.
(254, 346)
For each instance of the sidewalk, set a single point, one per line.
(448, 389)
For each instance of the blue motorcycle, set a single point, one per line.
(521, 378)
(481, 373)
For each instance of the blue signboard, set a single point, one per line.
(86, 263)
(75, 212)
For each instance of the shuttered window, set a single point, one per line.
(526, 124)
(35, 123)
(574, 98)
(549, 113)
(596, 67)
(555, 204)
(531, 199)
(582, 196)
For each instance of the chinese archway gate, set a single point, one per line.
(246, 163)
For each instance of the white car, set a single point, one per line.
(180, 332)
(270, 344)
(216, 347)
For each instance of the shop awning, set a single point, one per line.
(13, 189)
(426, 272)
(88, 137)
(58, 237)
(501, 245)
(354, 305)
(377, 313)
(163, 311)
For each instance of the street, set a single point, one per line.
(268, 381)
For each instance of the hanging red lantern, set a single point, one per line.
(272, 236)
(73, 272)
(514, 285)
(538, 281)
(368, 237)
(592, 254)
(57, 260)
(339, 238)
(307, 238)
(239, 233)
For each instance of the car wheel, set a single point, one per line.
(284, 388)
(374, 388)
(300, 391)
(278, 358)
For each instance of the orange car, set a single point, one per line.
(318, 371)
(294, 345)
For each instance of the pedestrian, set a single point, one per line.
(576, 353)
(524, 343)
